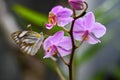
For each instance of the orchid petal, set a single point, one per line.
(64, 13)
(63, 52)
(53, 39)
(64, 21)
(56, 9)
(47, 43)
(98, 30)
(57, 37)
(89, 20)
(65, 43)
(93, 40)
(78, 35)
(78, 26)
(78, 29)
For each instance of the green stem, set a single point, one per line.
(58, 69)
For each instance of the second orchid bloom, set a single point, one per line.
(57, 44)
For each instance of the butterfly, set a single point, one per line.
(28, 41)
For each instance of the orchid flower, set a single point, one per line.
(87, 29)
(57, 44)
(59, 16)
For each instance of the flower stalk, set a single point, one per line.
(70, 66)
(57, 69)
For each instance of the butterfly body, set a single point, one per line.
(28, 41)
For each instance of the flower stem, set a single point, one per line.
(70, 66)
(66, 63)
(57, 69)
(73, 51)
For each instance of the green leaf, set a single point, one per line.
(38, 19)
(30, 15)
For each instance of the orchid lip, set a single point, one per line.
(52, 19)
(85, 35)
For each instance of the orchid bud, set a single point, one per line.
(76, 4)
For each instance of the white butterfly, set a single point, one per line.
(28, 41)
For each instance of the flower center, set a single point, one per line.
(52, 49)
(52, 18)
(85, 35)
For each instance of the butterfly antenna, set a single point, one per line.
(29, 27)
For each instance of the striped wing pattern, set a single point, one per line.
(28, 41)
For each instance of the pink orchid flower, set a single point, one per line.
(86, 28)
(59, 16)
(57, 44)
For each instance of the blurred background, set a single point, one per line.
(92, 62)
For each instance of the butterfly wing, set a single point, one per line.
(28, 41)
(37, 44)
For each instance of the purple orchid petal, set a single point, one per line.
(65, 43)
(57, 37)
(64, 21)
(56, 9)
(78, 29)
(98, 30)
(89, 20)
(64, 13)
(53, 40)
(79, 26)
(93, 40)
(78, 35)
(47, 43)
(62, 51)
(49, 26)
